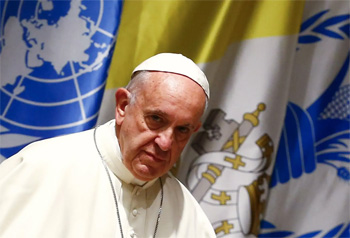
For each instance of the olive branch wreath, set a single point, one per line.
(311, 30)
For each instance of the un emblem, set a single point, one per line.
(54, 60)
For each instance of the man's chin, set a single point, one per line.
(144, 173)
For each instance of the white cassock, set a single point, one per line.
(59, 188)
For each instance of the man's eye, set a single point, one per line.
(183, 133)
(154, 121)
(156, 118)
(184, 130)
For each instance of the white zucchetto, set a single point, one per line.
(175, 63)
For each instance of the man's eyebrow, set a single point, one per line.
(157, 112)
(165, 115)
(189, 126)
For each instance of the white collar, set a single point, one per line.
(109, 147)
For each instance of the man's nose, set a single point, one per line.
(165, 139)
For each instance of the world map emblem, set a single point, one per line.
(54, 61)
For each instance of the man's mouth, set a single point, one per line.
(155, 157)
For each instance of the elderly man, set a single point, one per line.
(113, 181)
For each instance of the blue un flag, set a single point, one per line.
(54, 61)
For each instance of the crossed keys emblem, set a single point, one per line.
(218, 148)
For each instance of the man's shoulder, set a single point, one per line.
(67, 151)
(54, 150)
(64, 143)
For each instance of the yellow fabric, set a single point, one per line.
(201, 30)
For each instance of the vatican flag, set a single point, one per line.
(54, 57)
(271, 159)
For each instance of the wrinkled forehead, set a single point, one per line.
(173, 92)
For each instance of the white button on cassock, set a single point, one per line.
(134, 212)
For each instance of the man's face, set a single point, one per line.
(153, 129)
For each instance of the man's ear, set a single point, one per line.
(122, 97)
